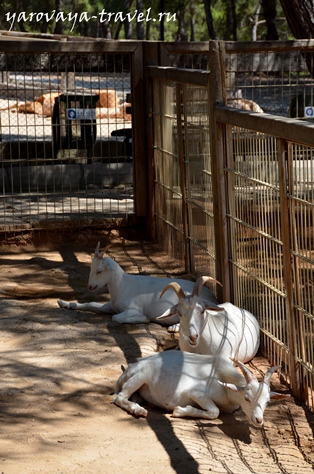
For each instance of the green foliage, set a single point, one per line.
(191, 13)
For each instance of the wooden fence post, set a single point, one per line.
(150, 58)
(139, 134)
(217, 93)
(181, 96)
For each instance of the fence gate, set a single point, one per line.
(183, 180)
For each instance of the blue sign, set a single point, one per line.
(309, 111)
(71, 114)
(81, 114)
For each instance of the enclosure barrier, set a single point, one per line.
(236, 187)
(183, 179)
(227, 192)
(269, 215)
(67, 158)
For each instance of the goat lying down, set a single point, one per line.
(206, 328)
(194, 385)
(134, 298)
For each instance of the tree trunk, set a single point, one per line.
(270, 13)
(255, 22)
(209, 20)
(44, 25)
(59, 25)
(140, 32)
(181, 33)
(192, 21)
(162, 22)
(227, 35)
(230, 29)
(128, 31)
(106, 30)
(234, 21)
(300, 17)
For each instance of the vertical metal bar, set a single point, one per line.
(184, 209)
(287, 267)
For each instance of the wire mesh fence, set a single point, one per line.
(183, 189)
(268, 204)
(233, 190)
(266, 171)
(168, 193)
(256, 256)
(276, 79)
(66, 139)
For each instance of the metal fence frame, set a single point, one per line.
(284, 345)
(26, 44)
(216, 253)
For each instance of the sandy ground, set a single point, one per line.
(58, 370)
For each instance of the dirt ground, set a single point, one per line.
(58, 371)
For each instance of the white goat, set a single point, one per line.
(194, 385)
(223, 329)
(134, 298)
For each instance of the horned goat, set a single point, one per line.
(206, 328)
(194, 385)
(134, 298)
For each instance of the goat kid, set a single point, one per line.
(134, 298)
(194, 385)
(206, 328)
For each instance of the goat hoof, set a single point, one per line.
(179, 412)
(140, 412)
(63, 304)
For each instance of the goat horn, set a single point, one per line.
(106, 248)
(176, 288)
(269, 373)
(200, 283)
(248, 375)
(97, 249)
(99, 253)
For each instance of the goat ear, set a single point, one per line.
(167, 314)
(108, 264)
(278, 396)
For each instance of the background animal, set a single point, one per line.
(194, 385)
(134, 298)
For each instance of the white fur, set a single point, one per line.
(193, 385)
(224, 330)
(134, 298)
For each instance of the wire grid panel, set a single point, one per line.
(300, 181)
(82, 175)
(194, 60)
(168, 195)
(184, 203)
(278, 82)
(254, 214)
(198, 179)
